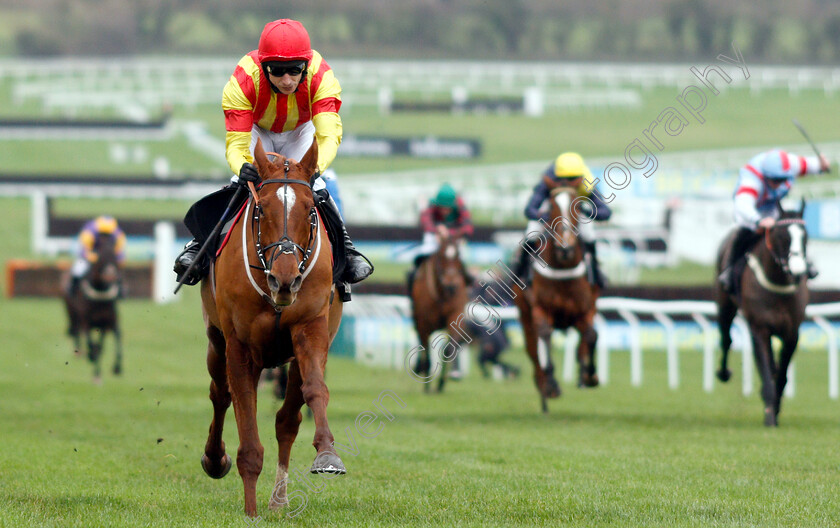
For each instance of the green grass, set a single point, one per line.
(127, 208)
(733, 118)
(126, 453)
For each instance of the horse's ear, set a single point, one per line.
(261, 159)
(309, 163)
(780, 209)
(801, 207)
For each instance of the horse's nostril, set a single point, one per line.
(296, 283)
(273, 283)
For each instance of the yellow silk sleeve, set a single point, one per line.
(119, 247)
(587, 185)
(87, 239)
(328, 133)
(238, 150)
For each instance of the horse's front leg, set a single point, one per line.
(763, 354)
(788, 348)
(311, 342)
(215, 461)
(94, 344)
(529, 331)
(726, 314)
(286, 427)
(587, 376)
(423, 366)
(243, 376)
(544, 328)
(118, 350)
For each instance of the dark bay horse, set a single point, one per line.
(773, 297)
(438, 300)
(560, 297)
(269, 300)
(92, 307)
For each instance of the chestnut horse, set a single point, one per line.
(560, 297)
(269, 300)
(438, 300)
(773, 297)
(92, 308)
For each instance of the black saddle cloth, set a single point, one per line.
(205, 213)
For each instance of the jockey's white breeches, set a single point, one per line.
(293, 144)
(80, 267)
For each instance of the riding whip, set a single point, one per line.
(209, 241)
(798, 125)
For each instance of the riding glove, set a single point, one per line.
(248, 173)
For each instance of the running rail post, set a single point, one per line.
(708, 352)
(635, 347)
(833, 382)
(671, 349)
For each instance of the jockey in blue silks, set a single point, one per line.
(762, 183)
(570, 169)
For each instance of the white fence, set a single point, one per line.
(384, 335)
(138, 85)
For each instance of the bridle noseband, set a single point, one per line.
(285, 246)
(781, 260)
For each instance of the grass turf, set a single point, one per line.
(127, 453)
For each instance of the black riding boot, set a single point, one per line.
(409, 280)
(523, 262)
(596, 276)
(185, 259)
(357, 267)
(743, 238)
(73, 287)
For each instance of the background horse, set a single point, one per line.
(92, 307)
(773, 297)
(438, 299)
(560, 297)
(286, 312)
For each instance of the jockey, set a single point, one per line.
(282, 93)
(570, 170)
(446, 213)
(87, 245)
(762, 183)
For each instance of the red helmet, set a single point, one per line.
(284, 40)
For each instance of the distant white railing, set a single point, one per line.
(191, 80)
(384, 334)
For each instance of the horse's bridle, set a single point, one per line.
(780, 260)
(435, 280)
(284, 246)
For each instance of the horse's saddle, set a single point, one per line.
(738, 275)
(203, 215)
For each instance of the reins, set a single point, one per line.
(285, 245)
(768, 242)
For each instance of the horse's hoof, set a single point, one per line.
(278, 497)
(97, 380)
(117, 370)
(216, 471)
(588, 382)
(553, 389)
(770, 418)
(328, 462)
(544, 405)
(724, 375)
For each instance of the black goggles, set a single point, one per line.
(279, 70)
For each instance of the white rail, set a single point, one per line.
(396, 310)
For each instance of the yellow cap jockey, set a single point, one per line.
(570, 165)
(101, 225)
